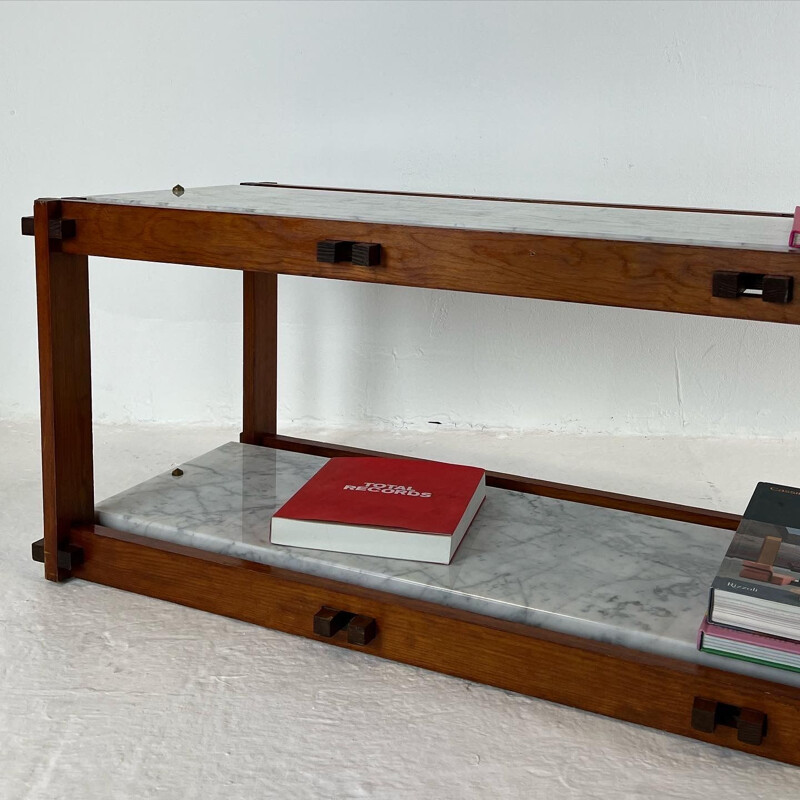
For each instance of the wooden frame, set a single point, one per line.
(627, 684)
(62, 287)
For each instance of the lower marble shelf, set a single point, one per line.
(627, 579)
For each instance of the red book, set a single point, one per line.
(794, 236)
(391, 507)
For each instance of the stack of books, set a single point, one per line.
(754, 605)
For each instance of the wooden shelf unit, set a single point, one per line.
(659, 692)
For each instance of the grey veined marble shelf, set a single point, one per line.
(699, 228)
(603, 574)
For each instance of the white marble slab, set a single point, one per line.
(608, 575)
(637, 225)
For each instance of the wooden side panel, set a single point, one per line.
(518, 483)
(260, 355)
(637, 687)
(627, 274)
(62, 288)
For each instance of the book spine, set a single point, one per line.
(751, 589)
(750, 659)
(794, 236)
(749, 638)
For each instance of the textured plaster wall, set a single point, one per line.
(665, 103)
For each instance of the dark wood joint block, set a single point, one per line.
(63, 229)
(69, 557)
(366, 254)
(58, 228)
(751, 726)
(329, 621)
(37, 551)
(727, 284)
(777, 289)
(770, 288)
(361, 630)
(704, 715)
(332, 251)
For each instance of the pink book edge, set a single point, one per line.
(794, 236)
(758, 639)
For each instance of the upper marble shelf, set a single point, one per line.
(705, 229)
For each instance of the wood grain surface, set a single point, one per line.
(260, 352)
(62, 295)
(658, 277)
(638, 687)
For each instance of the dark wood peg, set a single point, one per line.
(727, 284)
(329, 621)
(331, 251)
(366, 254)
(56, 228)
(361, 630)
(777, 289)
(69, 557)
(704, 715)
(751, 726)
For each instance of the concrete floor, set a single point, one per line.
(109, 695)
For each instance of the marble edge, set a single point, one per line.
(591, 630)
(689, 241)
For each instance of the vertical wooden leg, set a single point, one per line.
(62, 288)
(260, 356)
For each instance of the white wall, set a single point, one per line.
(692, 104)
